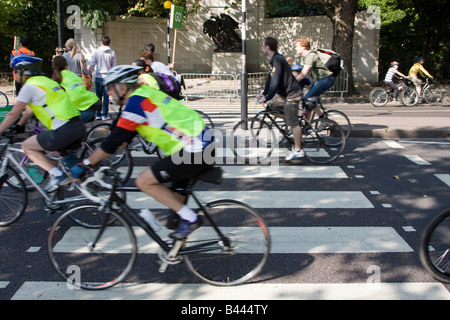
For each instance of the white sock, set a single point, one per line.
(187, 214)
(55, 172)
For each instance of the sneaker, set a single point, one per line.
(98, 118)
(105, 118)
(295, 154)
(185, 228)
(55, 182)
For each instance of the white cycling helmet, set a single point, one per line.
(127, 74)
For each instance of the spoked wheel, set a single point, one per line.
(409, 97)
(88, 258)
(13, 197)
(378, 97)
(432, 94)
(120, 161)
(340, 118)
(324, 141)
(238, 256)
(434, 248)
(252, 141)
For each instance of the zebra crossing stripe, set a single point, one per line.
(40, 290)
(270, 199)
(292, 240)
(257, 172)
(445, 178)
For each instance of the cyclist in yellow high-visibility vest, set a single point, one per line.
(178, 130)
(53, 108)
(86, 101)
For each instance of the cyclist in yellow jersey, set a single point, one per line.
(178, 130)
(86, 101)
(53, 108)
(418, 70)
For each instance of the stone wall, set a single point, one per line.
(194, 50)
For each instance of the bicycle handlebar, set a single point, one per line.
(97, 177)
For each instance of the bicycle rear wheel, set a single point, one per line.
(378, 97)
(340, 118)
(13, 197)
(4, 102)
(238, 256)
(434, 248)
(81, 263)
(120, 161)
(252, 140)
(323, 141)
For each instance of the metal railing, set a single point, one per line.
(204, 85)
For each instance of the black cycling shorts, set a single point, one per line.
(179, 168)
(66, 135)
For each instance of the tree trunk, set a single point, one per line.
(342, 15)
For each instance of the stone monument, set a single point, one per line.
(227, 54)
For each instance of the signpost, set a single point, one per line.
(176, 22)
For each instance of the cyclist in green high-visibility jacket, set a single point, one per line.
(178, 130)
(53, 108)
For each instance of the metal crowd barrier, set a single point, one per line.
(203, 85)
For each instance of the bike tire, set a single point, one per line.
(206, 119)
(4, 102)
(378, 97)
(101, 130)
(13, 197)
(252, 141)
(238, 257)
(434, 249)
(340, 118)
(323, 141)
(409, 97)
(121, 160)
(69, 247)
(432, 94)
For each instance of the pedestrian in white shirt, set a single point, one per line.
(103, 60)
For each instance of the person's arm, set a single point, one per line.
(302, 75)
(12, 116)
(275, 79)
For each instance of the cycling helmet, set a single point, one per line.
(127, 74)
(297, 67)
(394, 63)
(28, 64)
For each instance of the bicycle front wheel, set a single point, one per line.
(252, 140)
(237, 256)
(13, 197)
(88, 258)
(434, 248)
(409, 97)
(378, 97)
(323, 141)
(432, 94)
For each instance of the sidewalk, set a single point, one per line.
(367, 121)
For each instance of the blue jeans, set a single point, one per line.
(319, 87)
(100, 90)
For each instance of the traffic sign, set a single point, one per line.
(176, 17)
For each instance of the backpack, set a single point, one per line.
(168, 85)
(331, 60)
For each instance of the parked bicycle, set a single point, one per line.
(230, 248)
(434, 250)
(255, 139)
(379, 97)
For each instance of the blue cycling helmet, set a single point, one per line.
(28, 64)
(297, 67)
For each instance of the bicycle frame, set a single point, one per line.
(8, 157)
(134, 217)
